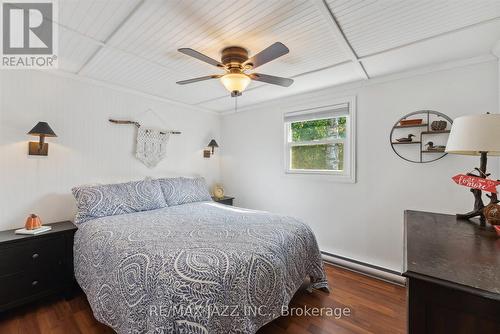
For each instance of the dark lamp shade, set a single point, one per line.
(42, 129)
(213, 143)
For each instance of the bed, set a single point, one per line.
(199, 267)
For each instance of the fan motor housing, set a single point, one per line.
(234, 56)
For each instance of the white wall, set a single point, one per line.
(496, 52)
(363, 221)
(88, 149)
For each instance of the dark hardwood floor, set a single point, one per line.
(376, 307)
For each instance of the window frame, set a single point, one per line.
(348, 174)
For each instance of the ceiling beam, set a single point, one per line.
(446, 33)
(263, 85)
(113, 33)
(339, 35)
(105, 44)
(128, 90)
(348, 87)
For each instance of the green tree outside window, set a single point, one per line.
(323, 156)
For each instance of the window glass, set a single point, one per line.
(318, 157)
(319, 129)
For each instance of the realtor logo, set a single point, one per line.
(28, 34)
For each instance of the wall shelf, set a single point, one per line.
(411, 154)
(433, 132)
(410, 126)
(406, 142)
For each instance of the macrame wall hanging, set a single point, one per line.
(151, 145)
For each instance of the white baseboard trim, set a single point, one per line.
(365, 269)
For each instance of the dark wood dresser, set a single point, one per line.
(453, 269)
(32, 267)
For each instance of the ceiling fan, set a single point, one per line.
(235, 62)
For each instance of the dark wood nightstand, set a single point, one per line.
(224, 200)
(35, 266)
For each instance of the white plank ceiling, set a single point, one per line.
(133, 43)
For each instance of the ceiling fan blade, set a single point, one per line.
(208, 77)
(270, 53)
(285, 82)
(200, 56)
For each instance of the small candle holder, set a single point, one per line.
(33, 222)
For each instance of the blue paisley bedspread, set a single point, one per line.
(194, 268)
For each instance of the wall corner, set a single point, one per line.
(496, 52)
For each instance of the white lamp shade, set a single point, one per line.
(473, 134)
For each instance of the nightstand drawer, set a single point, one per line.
(33, 267)
(228, 201)
(27, 284)
(224, 200)
(28, 255)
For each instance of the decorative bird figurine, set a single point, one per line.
(406, 139)
(431, 147)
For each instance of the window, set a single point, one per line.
(321, 141)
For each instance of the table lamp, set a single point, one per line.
(476, 135)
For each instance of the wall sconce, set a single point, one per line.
(42, 129)
(207, 153)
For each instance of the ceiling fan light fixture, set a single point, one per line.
(235, 61)
(235, 82)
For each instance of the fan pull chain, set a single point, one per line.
(236, 103)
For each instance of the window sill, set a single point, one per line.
(323, 175)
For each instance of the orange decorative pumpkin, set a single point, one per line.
(33, 222)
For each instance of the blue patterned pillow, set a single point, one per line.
(116, 199)
(181, 190)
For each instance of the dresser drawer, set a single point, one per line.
(32, 255)
(27, 285)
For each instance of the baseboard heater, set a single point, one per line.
(365, 268)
